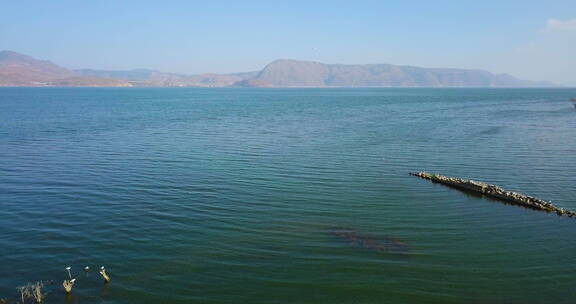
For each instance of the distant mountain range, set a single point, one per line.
(21, 70)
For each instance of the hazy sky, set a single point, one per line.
(533, 40)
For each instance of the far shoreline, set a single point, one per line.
(275, 88)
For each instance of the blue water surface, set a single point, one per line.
(285, 195)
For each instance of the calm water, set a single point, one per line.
(233, 195)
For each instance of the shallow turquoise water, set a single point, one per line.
(234, 195)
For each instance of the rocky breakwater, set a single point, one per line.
(495, 192)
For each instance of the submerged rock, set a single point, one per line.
(385, 244)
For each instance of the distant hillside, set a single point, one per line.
(144, 77)
(18, 69)
(22, 70)
(293, 73)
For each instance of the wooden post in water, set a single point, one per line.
(104, 275)
(68, 284)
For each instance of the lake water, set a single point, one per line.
(275, 195)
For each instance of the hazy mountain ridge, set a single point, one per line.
(145, 77)
(22, 70)
(293, 73)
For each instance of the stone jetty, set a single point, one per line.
(495, 192)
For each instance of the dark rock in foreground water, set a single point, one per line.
(495, 192)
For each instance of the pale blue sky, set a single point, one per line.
(530, 39)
